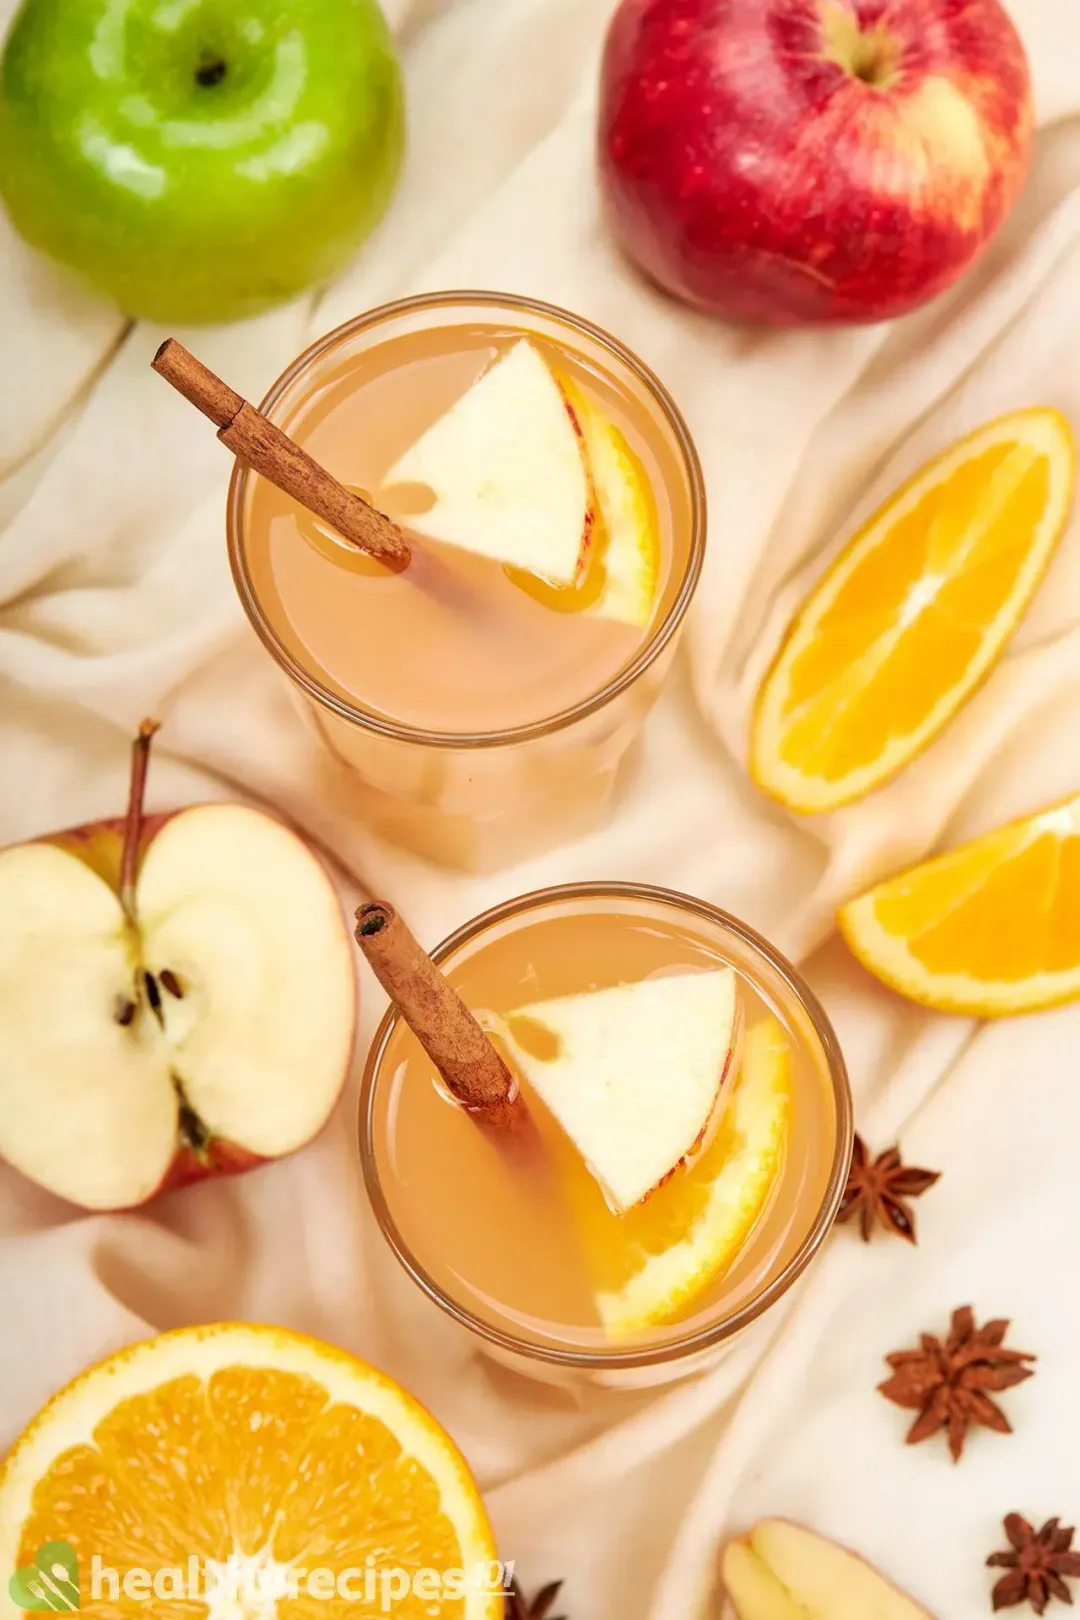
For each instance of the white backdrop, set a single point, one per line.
(115, 601)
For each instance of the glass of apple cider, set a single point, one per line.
(696, 1123)
(486, 721)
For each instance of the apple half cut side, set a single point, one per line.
(633, 1074)
(507, 468)
(782, 1571)
(212, 1033)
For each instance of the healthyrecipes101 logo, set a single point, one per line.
(51, 1581)
(244, 1584)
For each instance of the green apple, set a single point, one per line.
(199, 160)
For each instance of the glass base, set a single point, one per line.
(481, 810)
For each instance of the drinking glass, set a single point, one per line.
(481, 800)
(439, 1189)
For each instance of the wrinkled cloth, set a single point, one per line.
(116, 601)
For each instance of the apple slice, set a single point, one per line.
(506, 465)
(754, 1589)
(633, 1073)
(630, 538)
(192, 1020)
(782, 1571)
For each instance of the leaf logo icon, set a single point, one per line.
(51, 1582)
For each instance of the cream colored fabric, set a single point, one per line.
(115, 601)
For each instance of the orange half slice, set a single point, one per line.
(250, 1457)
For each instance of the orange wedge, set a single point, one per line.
(629, 542)
(238, 1461)
(913, 614)
(990, 929)
(622, 568)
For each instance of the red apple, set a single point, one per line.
(177, 999)
(793, 162)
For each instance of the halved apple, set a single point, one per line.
(782, 1571)
(191, 1018)
(632, 1073)
(507, 467)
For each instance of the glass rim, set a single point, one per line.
(714, 1333)
(646, 654)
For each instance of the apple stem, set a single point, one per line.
(129, 864)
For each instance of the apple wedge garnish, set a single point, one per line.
(507, 470)
(782, 1571)
(177, 999)
(633, 1073)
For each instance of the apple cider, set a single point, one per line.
(623, 990)
(485, 715)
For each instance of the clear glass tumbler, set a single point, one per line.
(480, 800)
(499, 1256)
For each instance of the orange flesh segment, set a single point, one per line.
(979, 931)
(885, 676)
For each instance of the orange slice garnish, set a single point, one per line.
(651, 1265)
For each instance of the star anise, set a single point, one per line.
(948, 1384)
(1038, 1561)
(517, 1608)
(878, 1189)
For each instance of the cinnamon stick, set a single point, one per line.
(467, 1061)
(253, 438)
